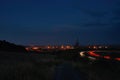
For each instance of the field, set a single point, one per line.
(34, 66)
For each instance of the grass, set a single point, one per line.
(21, 66)
(31, 66)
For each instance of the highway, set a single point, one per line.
(101, 55)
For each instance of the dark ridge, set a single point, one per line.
(7, 46)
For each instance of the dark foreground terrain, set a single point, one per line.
(34, 66)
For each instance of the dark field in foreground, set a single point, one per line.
(33, 66)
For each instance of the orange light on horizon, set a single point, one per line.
(94, 47)
(53, 47)
(106, 47)
(62, 47)
(27, 49)
(48, 47)
(100, 47)
(68, 47)
(35, 48)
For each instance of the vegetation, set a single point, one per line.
(7, 46)
(40, 66)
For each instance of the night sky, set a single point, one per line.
(43, 22)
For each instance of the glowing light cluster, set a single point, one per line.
(35, 48)
(27, 49)
(98, 47)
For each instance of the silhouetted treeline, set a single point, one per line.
(7, 46)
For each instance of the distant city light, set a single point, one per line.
(53, 47)
(48, 47)
(95, 47)
(100, 47)
(68, 47)
(106, 47)
(62, 47)
(27, 49)
(35, 48)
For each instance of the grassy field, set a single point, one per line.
(31, 66)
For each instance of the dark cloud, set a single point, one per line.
(96, 25)
(94, 13)
(92, 8)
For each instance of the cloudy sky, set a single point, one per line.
(42, 22)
